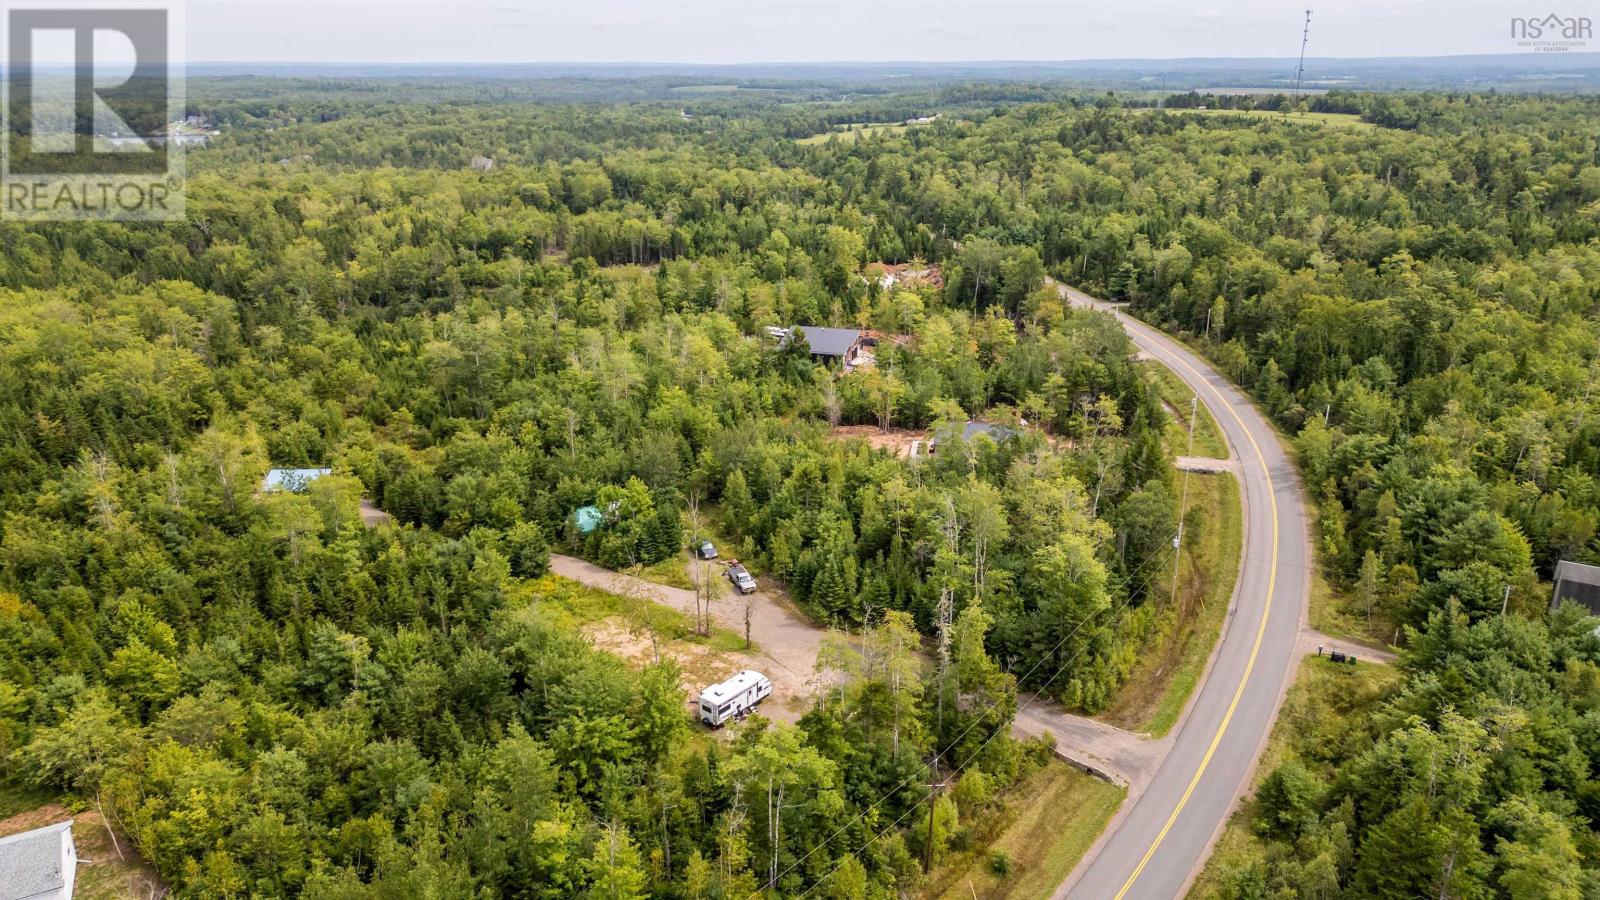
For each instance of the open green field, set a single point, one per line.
(1330, 120)
(1154, 695)
(1325, 695)
(1048, 823)
(855, 131)
(672, 572)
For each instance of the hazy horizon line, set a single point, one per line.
(883, 62)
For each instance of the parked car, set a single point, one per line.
(734, 698)
(741, 578)
(706, 549)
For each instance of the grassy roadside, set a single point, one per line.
(1323, 698)
(1330, 610)
(1154, 695)
(1336, 614)
(1208, 440)
(1048, 822)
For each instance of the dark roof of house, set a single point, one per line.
(1567, 570)
(829, 341)
(30, 862)
(1577, 582)
(996, 433)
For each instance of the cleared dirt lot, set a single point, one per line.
(896, 440)
(785, 643)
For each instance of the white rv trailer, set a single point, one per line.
(731, 698)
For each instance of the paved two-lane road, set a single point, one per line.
(1160, 838)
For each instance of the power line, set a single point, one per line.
(1305, 38)
(1128, 596)
(876, 803)
(1177, 542)
(892, 825)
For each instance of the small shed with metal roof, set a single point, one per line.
(41, 864)
(294, 481)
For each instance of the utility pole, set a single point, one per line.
(944, 614)
(666, 837)
(1588, 388)
(1505, 601)
(1300, 70)
(1183, 502)
(702, 590)
(933, 794)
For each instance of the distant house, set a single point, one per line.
(295, 481)
(843, 345)
(996, 433)
(39, 865)
(970, 431)
(1577, 583)
(851, 348)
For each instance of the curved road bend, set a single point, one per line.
(1158, 842)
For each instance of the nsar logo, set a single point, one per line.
(1552, 33)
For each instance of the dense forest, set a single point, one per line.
(274, 699)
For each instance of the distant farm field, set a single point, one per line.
(1332, 120)
(854, 131)
(714, 89)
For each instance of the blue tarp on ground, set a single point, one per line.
(588, 518)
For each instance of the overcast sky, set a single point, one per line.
(715, 31)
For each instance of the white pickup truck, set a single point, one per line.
(742, 580)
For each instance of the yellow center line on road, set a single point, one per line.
(1255, 649)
